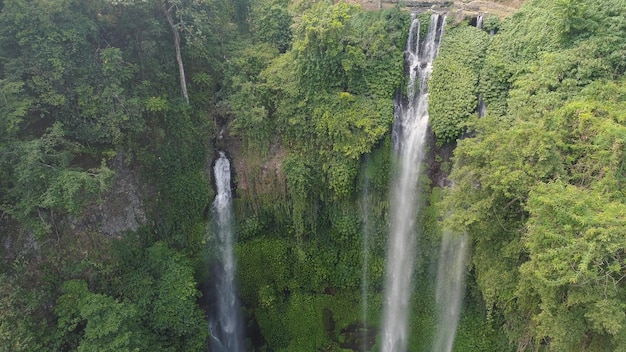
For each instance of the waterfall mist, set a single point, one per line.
(450, 288)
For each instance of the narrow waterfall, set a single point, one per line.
(482, 107)
(366, 229)
(225, 324)
(409, 132)
(450, 288)
(479, 21)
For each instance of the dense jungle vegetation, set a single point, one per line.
(102, 95)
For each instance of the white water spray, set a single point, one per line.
(226, 323)
(409, 132)
(450, 288)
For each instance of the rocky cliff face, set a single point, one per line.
(121, 209)
(84, 237)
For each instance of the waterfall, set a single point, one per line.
(366, 229)
(450, 288)
(409, 132)
(479, 21)
(482, 107)
(225, 324)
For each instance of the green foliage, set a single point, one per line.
(155, 104)
(341, 175)
(173, 312)
(422, 320)
(329, 97)
(586, 137)
(43, 178)
(528, 33)
(337, 47)
(62, 80)
(350, 124)
(452, 103)
(271, 23)
(159, 282)
(264, 271)
(325, 49)
(182, 188)
(71, 189)
(81, 81)
(453, 88)
(492, 24)
(575, 264)
(305, 323)
(556, 78)
(19, 331)
(521, 39)
(300, 180)
(107, 323)
(383, 37)
(378, 167)
(540, 185)
(476, 334)
(249, 100)
(495, 79)
(499, 168)
(156, 308)
(328, 102)
(309, 322)
(14, 108)
(73, 83)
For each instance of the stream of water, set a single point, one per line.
(409, 132)
(225, 325)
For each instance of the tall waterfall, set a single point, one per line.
(366, 230)
(409, 131)
(450, 288)
(225, 324)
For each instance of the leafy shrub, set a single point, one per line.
(453, 88)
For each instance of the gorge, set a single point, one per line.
(356, 204)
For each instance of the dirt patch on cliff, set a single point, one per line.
(500, 8)
(260, 173)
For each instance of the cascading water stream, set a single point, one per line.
(481, 110)
(409, 132)
(450, 288)
(482, 107)
(366, 229)
(225, 324)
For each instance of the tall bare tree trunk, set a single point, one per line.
(179, 58)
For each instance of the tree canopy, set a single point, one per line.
(541, 177)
